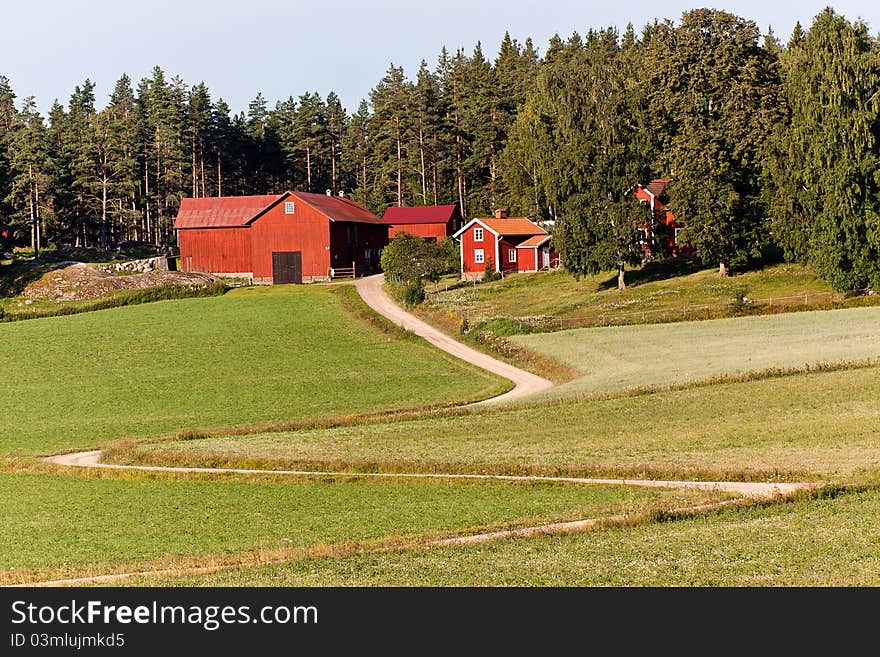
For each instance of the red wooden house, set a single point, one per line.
(663, 229)
(431, 222)
(292, 237)
(508, 244)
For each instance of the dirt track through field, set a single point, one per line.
(525, 383)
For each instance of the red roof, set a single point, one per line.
(338, 208)
(223, 211)
(657, 187)
(537, 240)
(421, 214)
(513, 226)
(240, 211)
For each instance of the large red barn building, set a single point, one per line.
(506, 245)
(431, 222)
(293, 237)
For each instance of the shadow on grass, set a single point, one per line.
(656, 271)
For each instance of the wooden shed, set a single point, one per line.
(293, 237)
(430, 222)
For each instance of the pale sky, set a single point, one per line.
(284, 48)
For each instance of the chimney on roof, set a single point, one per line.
(500, 214)
(329, 192)
(341, 194)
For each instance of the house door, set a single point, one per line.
(287, 267)
(545, 255)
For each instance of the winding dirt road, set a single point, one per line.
(525, 383)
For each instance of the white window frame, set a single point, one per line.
(511, 255)
(289, 207)
(478, 234)
(479, 256)
(675, 237)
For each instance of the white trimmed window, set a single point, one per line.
(289, 207)
(511, 255)
(479, 256)
(677, 231)
(478, 236)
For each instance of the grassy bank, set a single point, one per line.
(56, 521)
(830, 541)
(819, 426)
(252, 356)
(617, 358)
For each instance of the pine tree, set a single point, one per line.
(336, 126)
(8, 117)
(29, 160)
(389, 125)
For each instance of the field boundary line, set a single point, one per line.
(757, 489)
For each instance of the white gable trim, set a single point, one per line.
(468, 225)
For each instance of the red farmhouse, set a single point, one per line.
(428, 221)
(292, 237)
(654, 193)
(508, 244)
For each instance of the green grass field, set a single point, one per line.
(252, 356)
(818, 426)
(816, 542)
(616, 358)
(655, 290)
(58, 521)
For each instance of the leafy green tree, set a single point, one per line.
(411, 258)
(823, 172)
(716, 96)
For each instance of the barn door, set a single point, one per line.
(287, 267)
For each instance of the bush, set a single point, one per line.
(489, 273)
(408, 257)
(408, 293)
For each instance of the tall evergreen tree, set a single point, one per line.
(716, 96)
(825, 187)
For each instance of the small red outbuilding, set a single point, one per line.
(428, 221)
(293, 237)
(507, 244)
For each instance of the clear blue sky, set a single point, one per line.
(288, 47)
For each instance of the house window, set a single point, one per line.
(289, 207)
(643, 235)
(511, 255)
(675, 239)
(478, 235)
(479, 257)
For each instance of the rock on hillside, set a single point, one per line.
(75, 281)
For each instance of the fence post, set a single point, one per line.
(560, 323)
(805, 299)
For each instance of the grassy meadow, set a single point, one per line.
(55, 521)
(819, 426)
(620, 357)
(253, 356)
(831, 541)
(654, 293)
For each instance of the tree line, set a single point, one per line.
(769, 146)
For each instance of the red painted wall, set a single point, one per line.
(216, 250)
(306, 230)
(467, 250)
(437, 231)
(507, 245)
(350, 242)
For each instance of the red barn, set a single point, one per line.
(292, 237)
(664, 225)
(431, 222)
(508, 244)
